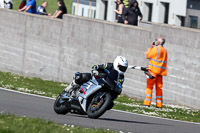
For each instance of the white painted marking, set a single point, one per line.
(111, 109)
(27, 93)
(155, 117)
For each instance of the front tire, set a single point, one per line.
(98, 107)
(59, 106)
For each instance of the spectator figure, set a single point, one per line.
(41, 10)
(22, 4)
(8, 4)
(1, 3)
(30, 7)
(157, 68)
(119, 11)
(131, 13)
(61, 10)
(126, 3)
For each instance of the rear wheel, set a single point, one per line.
(59, 106)
(99, 105)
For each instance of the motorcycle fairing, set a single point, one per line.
(89, 88)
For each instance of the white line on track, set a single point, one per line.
(27, 93)
(111, 109)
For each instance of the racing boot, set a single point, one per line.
(71, 88)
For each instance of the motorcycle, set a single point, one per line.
(92, 97)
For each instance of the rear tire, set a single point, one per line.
(107, 100)
(59, 106)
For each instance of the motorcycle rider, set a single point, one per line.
(120, 64)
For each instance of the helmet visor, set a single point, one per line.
(122, 68)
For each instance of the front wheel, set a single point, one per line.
(59, 106)
(99, 105)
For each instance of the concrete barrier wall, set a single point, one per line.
(38, 46)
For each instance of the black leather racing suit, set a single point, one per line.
(108, 66)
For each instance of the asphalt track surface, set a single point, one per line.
(41, 107)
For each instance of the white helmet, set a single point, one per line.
(120, 64)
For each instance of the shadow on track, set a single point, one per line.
(128, 121)
(121, 121)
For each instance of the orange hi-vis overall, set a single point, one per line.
(158, 67)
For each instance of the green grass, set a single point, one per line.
(52, 89)
(16, 124)
(32, 85)
(52, 5)
(168, 111)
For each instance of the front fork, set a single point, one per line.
(65, 95)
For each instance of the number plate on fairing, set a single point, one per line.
(88, 85)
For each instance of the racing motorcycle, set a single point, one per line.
(93, 95)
